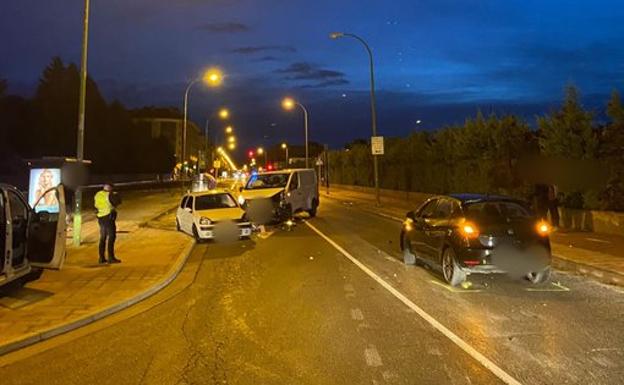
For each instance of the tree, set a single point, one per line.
(612, 152)
(568, 132)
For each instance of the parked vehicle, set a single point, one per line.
(30, 237)
(287, 191)
(467, 234)
(210, 214)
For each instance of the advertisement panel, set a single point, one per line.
(42, 180)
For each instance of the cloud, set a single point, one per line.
(307, 71)
(268, 58)
(226, 27)
(263, 48)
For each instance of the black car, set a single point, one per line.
(473, 233)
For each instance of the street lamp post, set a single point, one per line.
(285, 148)
(213, 78)
(289, 104)
(261, 151)
(224, 113)
(337, 35)
(77, 224)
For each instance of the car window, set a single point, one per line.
(189, 203)
(496, 211)
(294, 182)
(214, 201)
(443, 209)
(427, 210)
(19, 210)
(456, 210)
(183, 203)
(260, 181)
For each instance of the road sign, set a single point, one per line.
(377, 145)
(216, 164)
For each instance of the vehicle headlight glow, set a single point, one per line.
(241, 200)
(543, 228)
(204, 221)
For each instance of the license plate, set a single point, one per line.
(245, 232)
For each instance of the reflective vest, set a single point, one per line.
(102, 204)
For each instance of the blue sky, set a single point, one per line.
(436, 60)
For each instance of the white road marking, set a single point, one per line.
(486, 362)
(598, 240)
(559, 287)
(372, 357)
(357, 314)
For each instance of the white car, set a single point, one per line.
(212, 214)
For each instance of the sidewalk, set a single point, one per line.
(600, 256)
(83, 291)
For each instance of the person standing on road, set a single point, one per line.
(106, 202)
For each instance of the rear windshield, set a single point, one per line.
(496, 211)
(260, 181)
(214, 201)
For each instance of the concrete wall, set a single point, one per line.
(607, 222)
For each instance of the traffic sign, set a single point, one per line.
(377, 145)
(216, 164)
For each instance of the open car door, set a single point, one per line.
(46, 230)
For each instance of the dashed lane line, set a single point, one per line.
(598, 240)
(483, 360)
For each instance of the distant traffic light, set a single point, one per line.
(250, 153)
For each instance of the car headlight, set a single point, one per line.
(204, 221)
(241, 200)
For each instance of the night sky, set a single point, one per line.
(437, 60)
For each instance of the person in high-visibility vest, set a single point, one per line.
(105, 203)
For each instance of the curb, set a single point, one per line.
(73, 325)
(558, 262)
(168, 211)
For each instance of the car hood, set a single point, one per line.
(261, 193)
(216, 215)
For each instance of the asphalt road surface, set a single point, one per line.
(332, 303)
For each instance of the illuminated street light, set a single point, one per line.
(212, 77)
(232, 146)
(337, 35)
(228, 129)
(224, 113)
(231, 139)
(285, 148)
(289, 104)
(260, 150)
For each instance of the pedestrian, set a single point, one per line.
(106, 202)
(540, 200)
(553, 205)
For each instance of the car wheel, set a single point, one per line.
(312, 211)
(408, 257)
(539, 277)
(196, 234)
(453, 275)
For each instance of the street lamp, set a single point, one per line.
(261, 151)
(228, 129)
(285, 148)
(231, 146)
(223, 114)
(212, 77)
(338, 35)
(290, 103)
(231, 139)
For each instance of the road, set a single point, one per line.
(292, 307)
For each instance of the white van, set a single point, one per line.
(284, 192)
(30, 236)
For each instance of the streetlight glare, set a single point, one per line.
(231, 139)
(260, 150)
(224, 113)
(336, 35)
(228, 129)
(213, 77)
(232, 146)
(284, 145)
(288, 103)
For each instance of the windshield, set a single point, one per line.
(260, 181)
(214, 201)
(496, 211)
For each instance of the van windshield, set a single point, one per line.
(260, 181)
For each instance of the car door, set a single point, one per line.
(295, 190)
(436, 228)
(18, 214)
(417, 236)
(47, 231)
(187, 215)
(180, 213)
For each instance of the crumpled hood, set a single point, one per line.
(261, 193)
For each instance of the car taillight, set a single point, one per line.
(469, 230)
(543, 228)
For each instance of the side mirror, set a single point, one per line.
(411, 215)
(188, 209)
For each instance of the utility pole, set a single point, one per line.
(81, 124)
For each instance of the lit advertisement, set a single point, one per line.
(41, 181)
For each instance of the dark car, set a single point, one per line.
(477, 234)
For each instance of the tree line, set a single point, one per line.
(46, 125)
(504, 155)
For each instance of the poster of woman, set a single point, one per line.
(41, 181)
